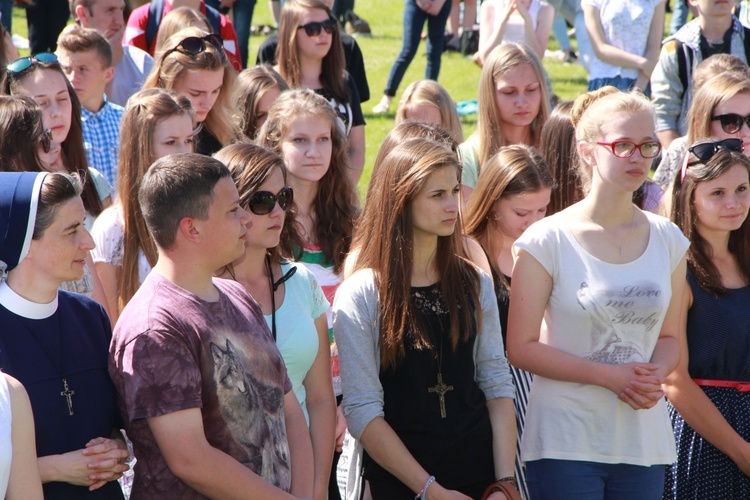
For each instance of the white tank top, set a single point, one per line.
(6, 448)
(515, 29)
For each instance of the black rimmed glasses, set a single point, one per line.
(625, 149)
(22, 64)
(731, 123)
(263, 202)
(46, 140)
(313, 29)
(194, 45)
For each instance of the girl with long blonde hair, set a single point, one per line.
(156, 122)
(428, 101)
(513, 107)
(604, 281)
(193, 63)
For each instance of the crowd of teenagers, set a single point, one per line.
(195, 302)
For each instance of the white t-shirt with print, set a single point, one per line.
(610, 313)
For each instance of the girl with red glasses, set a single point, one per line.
(604, 281)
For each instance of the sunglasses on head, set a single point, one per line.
(24, 63)
(313, 29)
(46, 140)
(731, 123)
(194, 45)
(263, 202)
(706, 150)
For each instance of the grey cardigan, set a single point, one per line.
(356, 327)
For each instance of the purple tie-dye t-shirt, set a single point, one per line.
(172, 351)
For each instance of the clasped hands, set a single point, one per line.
(637, 384)
(101, 461)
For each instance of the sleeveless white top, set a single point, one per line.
(515, 29)
(610, 313)
(6, 447)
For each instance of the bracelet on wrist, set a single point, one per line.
(509, 479)
(423, 492)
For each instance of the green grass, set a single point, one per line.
(458, 74)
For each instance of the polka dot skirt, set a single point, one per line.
(702, 471)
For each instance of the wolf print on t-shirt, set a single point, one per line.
(253, 411)
(621, 320)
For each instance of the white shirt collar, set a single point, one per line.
(23, 307)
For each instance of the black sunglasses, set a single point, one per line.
(263, 202)
(194, 45)
(731, 123)
(46, 140)
(22, 64)
(313, 29)
(706, 150)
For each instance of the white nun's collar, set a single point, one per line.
(23, 307)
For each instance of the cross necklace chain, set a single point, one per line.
(66, 393)
(441, 389)
(604, 232)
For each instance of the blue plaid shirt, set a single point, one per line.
(101, 137)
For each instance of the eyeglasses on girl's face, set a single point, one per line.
(22, 64)
(263, 202)
(625, 149)
(314, 28)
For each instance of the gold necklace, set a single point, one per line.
(604, 232)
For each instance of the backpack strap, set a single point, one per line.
(746, 42)
(214, 19)
(155, 12)
(682, 65)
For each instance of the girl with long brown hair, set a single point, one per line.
(512, 193)
(426, 384)
(193, 63)
(304, 130)
(310, 55)
(293, 303)
(513, 107)
(709, 404)
(156, 123)
(255, 90)
(41, 78)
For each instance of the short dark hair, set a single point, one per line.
(58, 188)
(77, 39)
(178, 186)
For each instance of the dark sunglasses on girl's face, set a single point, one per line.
(731, 123)
(706, 150)
(46, 140)
(194, 45)
(313, 29)
(24, 63)
(263, 202)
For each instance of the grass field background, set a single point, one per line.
(458, 74)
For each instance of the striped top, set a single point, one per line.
(315, 261)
